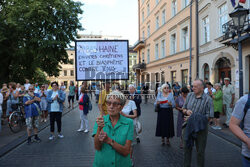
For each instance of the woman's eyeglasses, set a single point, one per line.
(115, 104)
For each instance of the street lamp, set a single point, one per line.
(239, 17)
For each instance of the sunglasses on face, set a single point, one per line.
(115, 104)
(31, 89)
(54, 85)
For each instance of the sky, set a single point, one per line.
(111, 17)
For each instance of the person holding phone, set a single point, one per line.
(12, 96)
(55, 99)
(165, 119)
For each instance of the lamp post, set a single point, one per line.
(239, 17)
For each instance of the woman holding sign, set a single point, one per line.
(165, 120)
(113, 134)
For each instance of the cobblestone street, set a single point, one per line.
(76, 148)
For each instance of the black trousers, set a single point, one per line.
(55, 116)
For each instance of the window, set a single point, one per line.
(206, 71)
(71, 72)
(148, 10)
(173, 76)
(157, 77)
(156, 2)
(65, 83)
(174, 8)
(173, 44)
(163, 17)
(163, 48)
(206, 32)
(142, 1)
(184, 3)
(134, 62)
(142, 16)
(156, 51)
(130, 62)
(184, 39)
(143, 57)
(148, 31)
(223, 14)
(148, 77)
(148, 56)
(184, 77)
(65, 72)
(143, 35)
(72, 61)
(162, 77)
(157, 23)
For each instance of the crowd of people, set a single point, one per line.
(198, 107)
(37, 102)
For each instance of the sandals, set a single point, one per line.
(162, 142)
(168, 143)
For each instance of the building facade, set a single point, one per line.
(217, 60)
(132, 62)
(164, 42)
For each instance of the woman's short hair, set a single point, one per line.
(163, 86)
(217, 84)
(131, 86)
(83, 89)
(54, 83)
(13, 85)
(184, 90)
(118, 95)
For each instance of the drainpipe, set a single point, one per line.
(190, 45)
(197, 37)
(139, 27)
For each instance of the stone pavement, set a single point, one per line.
(77, 148)
(10, 140)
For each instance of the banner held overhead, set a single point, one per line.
(101, 60)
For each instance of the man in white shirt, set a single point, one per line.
(209, 88)
(27, 85)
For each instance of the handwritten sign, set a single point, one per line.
(101, 60)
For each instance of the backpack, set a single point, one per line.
(247, 106)
(90, 105)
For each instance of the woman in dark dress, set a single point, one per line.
(179, 104)
(165, 120)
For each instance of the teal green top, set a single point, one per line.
(123, 131)
(218, 101)
(72, 90)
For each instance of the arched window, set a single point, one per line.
(206, 71)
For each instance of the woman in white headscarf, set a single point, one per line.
(165, 120)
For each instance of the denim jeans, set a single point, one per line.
(245, 162)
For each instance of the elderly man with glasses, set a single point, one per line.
(31, 103)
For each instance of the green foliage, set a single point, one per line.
(34, 35)
(40, 77)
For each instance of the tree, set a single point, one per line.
(34, 35)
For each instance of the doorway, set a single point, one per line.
(224, 69)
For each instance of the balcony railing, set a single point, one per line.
(230, 30)
(139, 44)
(139, 66)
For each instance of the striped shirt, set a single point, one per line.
(203, 104)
